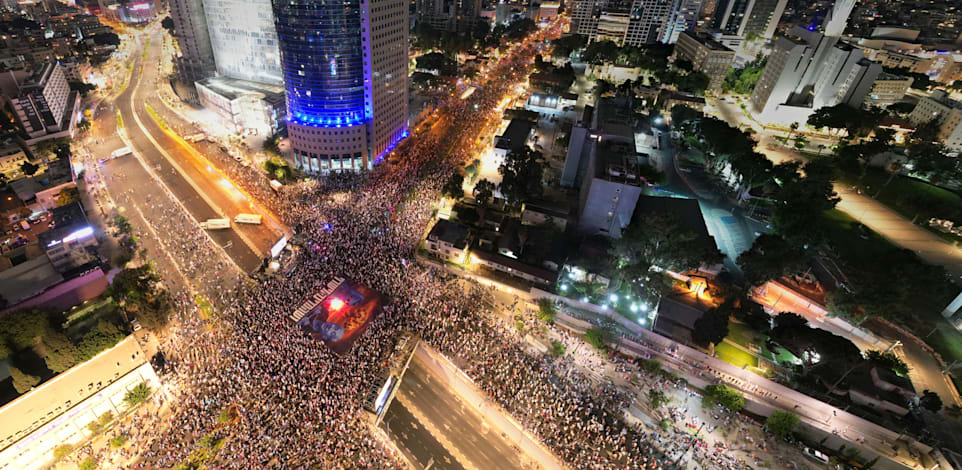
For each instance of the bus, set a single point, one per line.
(215, 224)
(121, 152)
(247, 219)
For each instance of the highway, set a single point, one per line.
(202, 191)
(436, 429)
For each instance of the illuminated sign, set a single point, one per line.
(82, 233)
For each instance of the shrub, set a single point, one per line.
(118, 441)
(557, 348)
(138, 394)
(62, 451)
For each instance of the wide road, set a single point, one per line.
(434, 425)
(204, 192)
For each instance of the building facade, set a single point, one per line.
(45, 104)
(948, 112)
(706, 55)
(888, 89)
(683, 17)
(346, 80)
(196, 61)
(456, 16)
(631, 22)
(746, 18)
(244, 40)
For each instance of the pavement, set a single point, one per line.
(437, 429)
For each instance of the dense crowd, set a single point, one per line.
(292, 403)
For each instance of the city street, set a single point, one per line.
(433, 423)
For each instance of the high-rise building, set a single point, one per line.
(809, 70)
(346, 80)
(748, 17)
(947, 111)
(244, 40)
(683, 17)
(196, 61)
(632, 22)
(449, 15)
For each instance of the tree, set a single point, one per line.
(68, 196)
(483, 192)
(58, 352)
(724, 396)
(657, 398)
(664, 241)
(782, 423)
(854, 121)
(138, 394)
(712, 327)
(565, 45)
(88, 463)
(468, 216)
(137, 291)
(168, 24)
(601, 52)
(888, 360)
(453, 187)
(546, 310)
(62, 451)
(802, 201)
(900, 109)
(771, 257)
(29, 169)
(930, 401)
(741, 81)
(23, 382)
(118, 441)
(104, 336)
(22, 329)
(602, 87)
(522, 173)
(557, 348)
(82, 88)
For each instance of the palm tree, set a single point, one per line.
(792, 128)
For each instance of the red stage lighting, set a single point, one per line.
(336, 304)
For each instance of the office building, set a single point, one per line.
(809, 70)
(947, 111)
(249, 106)
(456, 16)
(888, 89)
(346, 80)
(706, 55)
(42, 101)
(683, 17)
(244, 40)
(746, 18)
(196, 59)
(632, 22)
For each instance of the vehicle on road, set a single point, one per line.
(135, 325)
(121, 152)
(815, 455)
(215, 224)
(195, 138)
(276, 185)
(253, 219)
(25, 225)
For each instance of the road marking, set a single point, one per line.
(435, 432)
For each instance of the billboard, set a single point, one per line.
(339, 314)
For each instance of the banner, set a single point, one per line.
(339, 314)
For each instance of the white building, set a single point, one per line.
(244, 40)
(939, 106)
(245, 104)
(449, 241)
(636, 23)
(59, 410)
(44, 104)
(809, 70)
(888, 89)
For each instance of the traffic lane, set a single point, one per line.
(415, 441)
(221, 192)
(464, 427)
(133, 176)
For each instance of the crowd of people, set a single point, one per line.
(275, 398)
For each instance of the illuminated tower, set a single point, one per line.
(345, 70)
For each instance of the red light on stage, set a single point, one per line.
(336, 304)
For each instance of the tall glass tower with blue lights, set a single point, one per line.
(345, 70)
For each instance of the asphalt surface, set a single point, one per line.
(150, 142)
(432, 424)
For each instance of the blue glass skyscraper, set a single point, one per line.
(346, 87)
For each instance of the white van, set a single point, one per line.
(215, 224)
(247, 219)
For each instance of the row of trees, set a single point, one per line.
(651, 58)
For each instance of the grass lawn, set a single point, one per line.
(844, 233)
(735, 356)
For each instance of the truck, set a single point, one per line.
(195, 138)
(215, 224)
(276, 185)
(121, 152)
(247, 219)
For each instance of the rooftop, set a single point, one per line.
(515, 136)
(232, 88)
(450, 232)
(706, 40)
